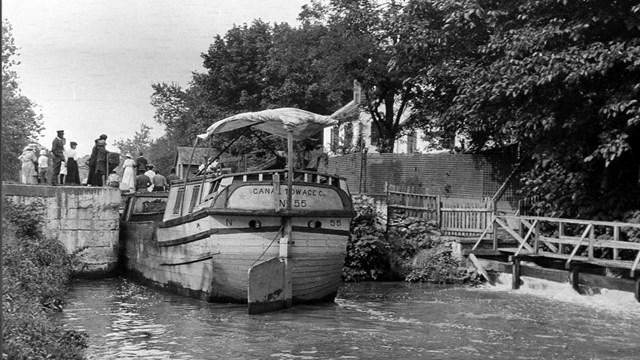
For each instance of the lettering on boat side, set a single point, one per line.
(301, 192)
(268, 197)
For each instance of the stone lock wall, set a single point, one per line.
(84, 219)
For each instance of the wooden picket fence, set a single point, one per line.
(456, 217)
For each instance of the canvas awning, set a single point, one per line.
(300, 124)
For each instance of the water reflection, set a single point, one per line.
(367, 321)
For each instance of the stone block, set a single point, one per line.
(98, 255)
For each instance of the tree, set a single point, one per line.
(21, 124)
(141, 143)
(234, 79)
(365, 41)
(560, 79)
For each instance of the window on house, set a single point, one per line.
(348, 135)
(412, 142)
(335, 138)
(375, 135)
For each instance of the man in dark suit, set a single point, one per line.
(57, 150)
(141, 164)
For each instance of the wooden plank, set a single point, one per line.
(480, 268)
(527, 237)
(635, 265)
(466, 210)
(575, 249)
(514, 234)
(573, 221)
(493, 219)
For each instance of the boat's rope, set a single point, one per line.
(271, 243)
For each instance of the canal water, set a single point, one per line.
(542, 320)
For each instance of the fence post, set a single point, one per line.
(439, 212)
(591, 240)
(494, 234)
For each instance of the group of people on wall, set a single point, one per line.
(64, 163)
(61, 165)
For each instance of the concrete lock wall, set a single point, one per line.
(84, 219)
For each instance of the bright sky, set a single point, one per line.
(89, 64)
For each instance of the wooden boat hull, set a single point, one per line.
(209, 257)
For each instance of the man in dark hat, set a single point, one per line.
(57, 150)
(141, 164)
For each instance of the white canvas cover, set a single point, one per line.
(301, 124)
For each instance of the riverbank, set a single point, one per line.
(36, 271)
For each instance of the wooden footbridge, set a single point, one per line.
(592, 253)
(584, 253)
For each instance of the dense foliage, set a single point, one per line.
(36, 271)
(368, 252)
(21, 124)
(560, 78)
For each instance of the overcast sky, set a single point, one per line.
(89, 64)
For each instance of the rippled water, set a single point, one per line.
(368, 321)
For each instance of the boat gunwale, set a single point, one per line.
(202, 213)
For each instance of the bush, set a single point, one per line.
(436, 265)
(367, 251)
(36, 271)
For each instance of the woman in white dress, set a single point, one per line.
(29, 160)
(128, 182)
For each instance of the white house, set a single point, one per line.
(346, 136)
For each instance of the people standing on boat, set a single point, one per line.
(43, 166)
(150, 174)
(128, 182)
(172, 176)
(113, 160)
(142, 183)
(73, 176)
(29, 173)
(160, 182)
(57, 150)
(141, 164)
(113, 180)
(313, 156)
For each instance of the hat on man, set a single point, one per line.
(128, 155)
(43, 152)
(74, 143)
(60, 131)
(28, 147)
(103, 137)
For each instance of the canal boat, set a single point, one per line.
(270, 238)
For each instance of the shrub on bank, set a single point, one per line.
(411, 249)
(368, 252)
(36, 271)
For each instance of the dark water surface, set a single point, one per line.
(368, 321)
